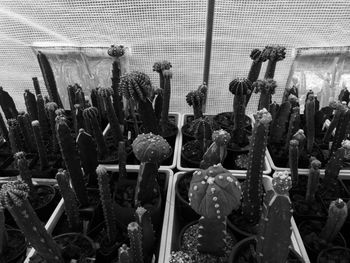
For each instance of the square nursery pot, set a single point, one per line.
(174, 142)
(229, 164)
(57, 220)
(177, 222)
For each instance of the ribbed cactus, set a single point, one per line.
(294, 161)
(137, 86)
(42, 117)
(14, 198)
(143, 218)
(71, 206)
(71, 159)
(239, 87)
(196, 99)
(107, 203)
(273, 109)
(337, 214)
(44, 161)
(202, 130)
(135, 237)
(310, 122)
(24, 172)
(253, 184)
(313, 180)
(266, 88)
(15, 138)
(71, 97)
(150, 150)
(255, 68)
(30, 102)
(280, 123)
(36, 86)
(124, 254)
(7, 104)
(164, 120)
(339, 110)
(341, 130)
(213, 194)
(344, 95)
(273, 239)
(294, 124)
(27, 131)
(217, 151)
(97, 102)
(159, 67)
(51, 108)
(273, 54)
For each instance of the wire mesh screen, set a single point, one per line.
(173, 30)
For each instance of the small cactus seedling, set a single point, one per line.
(217, 151)
(273, 54)
(213, 194)
(275, 228)
(7, 104)
(337, 214)
(313, 180)
(266, 88)
(196, 99)
(150, 150)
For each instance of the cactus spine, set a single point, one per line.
(196, 99)
(310, 122)
(70, 202)
(313, 180)
(44, 162)
(293, 161)
(266, 88)
(27, 131)
(30, 102)
(42, 118)
(135, 236)
(275, 229)
(14, 198)
(253, 183)
(71, 159)
(337, 214)
(51, 108)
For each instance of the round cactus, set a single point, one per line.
(240, 86)
(151, 148)
(135, 85)
(214, 192)
(256, 55)
(221, 137)
(116, 51)
(281, 182)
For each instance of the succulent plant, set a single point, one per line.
(150, 150)
(253, 184)
(24, 172)
(30, 102)
(213, 194)
(341, 130)
(313, 180)
(294, 124)
(135, 236)
(27, 131)
(15, 137)
(294, 161)
(51, 108)
(158, 67)
(344, 95)
(122, 159)
(79, 119)
(339, 109)
(310, 122)
(164, 120)
(273, 54)
(196, 99)
(36, 86)
(273, 239)
(42, 117)
(143, 219)
(266, 88)
(7, 104)
(301, 138)
(3, 233)
(3, 129)
(44, 161)
(137, 86)
(124, 254)
(280, 123)
(14, 197)
(202, 129)
(217, 151)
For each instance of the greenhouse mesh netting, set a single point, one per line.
(172, 30)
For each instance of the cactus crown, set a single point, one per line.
(281, 182)
(221, 137)
(196, 97)
(14, 193)
(116, 51)
(339, 203)
(299, 135)
(167, 73)
(151, 148)
(263, 116)
(135, 85)
(265, 86)
(214, 192)
(315, 164)
(51, 106)
(240, 86)
(20, 156)
(274, 53)
(294, 142)
(105, 92)
(90, 112)
(159, 66)
(256, 55)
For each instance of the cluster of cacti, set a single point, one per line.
(14, 198)
(273, 54)
(217, 151)
(213, 194)
(202, 130)
(313, 180)
(150, 150)
(266, 88)
(240, 88)
(274, 232)
(196, 99)
(253, 184)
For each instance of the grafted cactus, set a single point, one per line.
(30, 102)
(14, 198)
(150, 150)
(266, 88)
(310, 121)
(217, 151)
(275, 228)
(337, 214)
(24, 172)
(196, 99)
(71, 206)
(294, 160)
(273, 54)
(42, 118)
(313, 180)
(51, 108)
(15, 138)
(44, 161)
(213, 194)
(27, 132)
(253, 184)
(137, 86)
(240, 87)
(202, 132)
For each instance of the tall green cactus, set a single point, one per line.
(213, 194)
(293, 161)
(294, 124)
(143, 218)
(3, 129)
(217, 151)
(36, 86)
(158, 67)
(71, 206)
(27, 131)
(341, 130)
(135, 236)
(51, 108)
(44, 161)
(339, 109)
(313, 180)
(14, 198)
(42, 118)
(164, 120)
(15, 138)
(24, 173)
(7, 104)
(71, 159)
(273, 54)
(107, 203)
(275, 228)
(337, 214)
(122, 159)
(310, 121)
(266, 88)
(253, 184)
(202, 132)
(30, 102)
(196, 99)
(280, 123)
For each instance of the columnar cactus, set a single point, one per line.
(294, 124)
(150, 150)
(7, 104)
(180, 257)
(27, 131)
(202, 132)
(301, 138)
(3, 234)
(36, 86)
(213, 194)
(143, 218)
(341, 130)
(196, 99)
(217, 151)
(164, 120)
(15, 138)
(122, 159)
(24, 172)
(266, 88)
(124, 254)
(159, 67)
(71, 206)
(51, 108)
(253, 184)
(79, 120)
(240, 88)
(275, 228)
(273, 54)
(135, 236)
(280, 123)
(14, 198)
(137, 86)
(313, 180)
(44, 161)
(339, 109)
(255, 68)
(30, 102)
(71, 159)
(310, 122)
(337, 214)
(42, 118)
(107, 203)
(294, 160)
(3, 129)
